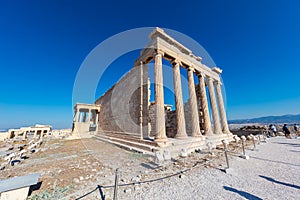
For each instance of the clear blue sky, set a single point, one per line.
(43, 43)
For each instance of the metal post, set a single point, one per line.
(243, 138)
(253, 139)
(116, 184)
(243, 145)
(225, 151)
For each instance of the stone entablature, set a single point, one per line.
(174, 50)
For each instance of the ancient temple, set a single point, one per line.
(125, 116)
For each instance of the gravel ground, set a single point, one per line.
(272, 172)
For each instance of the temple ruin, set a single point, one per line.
(37, 131)
(125, 116)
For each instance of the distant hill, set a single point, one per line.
(289, 119)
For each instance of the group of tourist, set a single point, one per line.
(285, 129)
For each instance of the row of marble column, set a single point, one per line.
(87, 115)
(216, 101)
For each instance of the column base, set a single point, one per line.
(164, 139)
(181, 137)
(161, 142)
(197, 135)
(208, 133)
(227, 132)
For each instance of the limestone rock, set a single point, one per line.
(136, 179)
(76, 180)
(127, 190)
(167, 155)
(159, 157)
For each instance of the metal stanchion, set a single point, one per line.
(253, 140)
(225, 143)
(116, 184)
(264, 137)
(243, 138)
(258, 139)
(236, 139)
(227, 170)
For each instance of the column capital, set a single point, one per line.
(191, 68)
(200, 74)
(218, 83)
(159, 51)
(175, 62)
(209, 78)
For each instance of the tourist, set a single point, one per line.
(296, 129)
(273, 128)
(286, 131)
(269, 131)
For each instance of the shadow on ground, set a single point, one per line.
(97, 188)
(242, 193)
(275, 161)
(291, 144)
(279, 182)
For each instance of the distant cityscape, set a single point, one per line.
(289, 119)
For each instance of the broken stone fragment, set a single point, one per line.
(144, 171)
(183, 153)
(159, 157)
(167, 155)
(181, 176)
(127, 190)
(136, 179)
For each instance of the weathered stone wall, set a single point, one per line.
(201, 115)
(152, 120)
(120, 106)
(170, 120)
(171, 125)
(188, 117)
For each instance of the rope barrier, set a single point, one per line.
(202, 163)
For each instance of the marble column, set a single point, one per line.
(76, 116)
(89, 115)
(223, 117)
(97, 119)
(193, 103)
(159, 99)
(180, 120)
(141, 101)
(213, 103)
(205, 110)
(24, 135)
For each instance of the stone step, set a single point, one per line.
(126, 136)
(138, 147)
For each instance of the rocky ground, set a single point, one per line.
(85, 169)
(272, 172)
